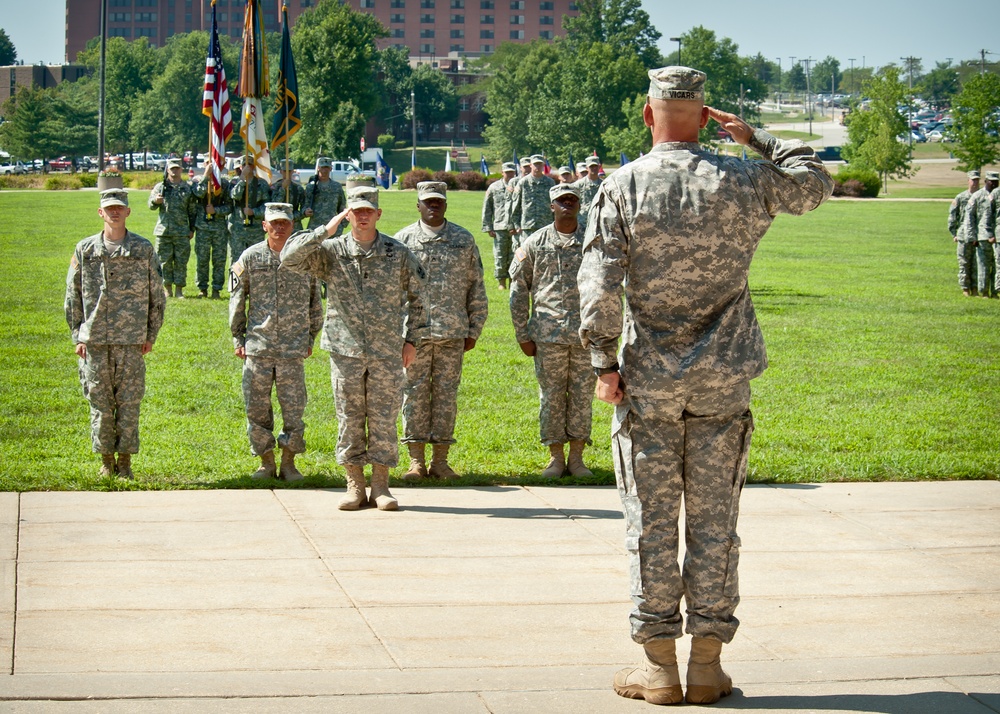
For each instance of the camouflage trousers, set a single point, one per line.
(430, 396)
(114, 382)
(503, 254)
(210, 252)
(367, 394)
(174, 253)
(987, 267)
(242, 237)
(288, 376)
(566, 392)
(692, 446)
(966, 265)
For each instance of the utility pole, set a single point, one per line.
(413, 115)
(779, 85)
(100, 108)
(851, 60)
(910, 61)
(809, 95)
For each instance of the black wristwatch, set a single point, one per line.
(601, 371)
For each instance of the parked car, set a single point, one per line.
(63, 163)
(13, 167)
(935, 135)
(829, 153)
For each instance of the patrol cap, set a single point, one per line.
(592, 161)
(324, 162)
(509, 166)
(114, 197)
(561, 189)
(993, 175)
(677, 83)
(173, 163)
(277, 212)
(565, 170)
(432, 189)
(361, 181)
(581, 167)
(362, 197)
(538, 159)
(287, 165)
(525, 161)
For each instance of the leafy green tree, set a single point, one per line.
(394, 78)
(621, 24)
(874, 133)
(795, 78)
(634, 136)
(25, 132)
(823, 73)
(8, 53)
(436, 99)
(977, 124)
(130, 68)
(337, 64)
(939, 85)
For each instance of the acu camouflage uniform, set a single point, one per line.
(373, 301)
(174, 226)
(498, 207)
(966, 245)
(979, 229)
(678, 229)
(296, 199)
(588, 189)
(275, 314)
(114, 304)
(544, 273)
(243, 236)
(532, 207)
(326, 199)
(455, 307)
(211, 237)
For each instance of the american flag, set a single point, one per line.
(215, 105)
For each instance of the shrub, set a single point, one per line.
(446, 177)
(400, 144)
(62, 183)
(411, 178)
(470, 181)
(851, 187)
(869, 180)
(87, 180)
(386, 142)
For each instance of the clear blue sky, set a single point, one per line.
(880, 31)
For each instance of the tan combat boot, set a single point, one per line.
(575, 462)
(124, 466)
(439, 467)
(355, 497)
(267, 467)
(417, 469)
(557, 462)
(384, 500)
(657, 679)
(706, 682)
(288, 470)
(168, 289)
(107, 466)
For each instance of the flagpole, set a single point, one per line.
(288, 186)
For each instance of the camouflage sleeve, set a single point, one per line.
(315, 310)
(412, 279)
(157, 299)
(972, 219)
(476, 303)
(157, 192)
(192, 211)
(954, 216)
(237, 189)
(522, 269)
(304, 253)
(605, 260)
(795, 181)
(341, 200)
(239, 295)
(515, 207)
(989, 219)
(223, 206)
(263, 196)
(74, 297)
(488, 211)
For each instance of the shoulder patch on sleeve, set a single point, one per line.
(237, 267)
(74, 263)
(519, 254)
(954, 202)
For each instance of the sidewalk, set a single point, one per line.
(860, 597)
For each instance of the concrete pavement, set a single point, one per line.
(860, 597)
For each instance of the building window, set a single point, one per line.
(426, 49)
(517, 34)
(516, 4)
(426, 19)
(547, 6)
(427, 33)
(119, 31)
(398, 33)
(187, 19)
(463, 127)
(486, 19)
(463, 105)
(457, 34)
(517, 19)
(145, 32)
(269, 19)
(486, 34)
(573, 7)
(485, 48)
(457, 4)
(398, 17)
(545, 34)
(145, 17)
(223, 16)
(396, 3)
(456, 48)
(486, 4)
(120, 17)
(238, 18)
(458, 19)
(427, 3)
(368, 4)
(546, 20)
(235, 32)
(305, 3)
(479, 128)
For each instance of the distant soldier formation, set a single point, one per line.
(972, 222)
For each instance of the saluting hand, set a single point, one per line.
(332, 226)
(737, 128)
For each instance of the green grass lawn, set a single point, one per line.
(803, 135)
(880, 369)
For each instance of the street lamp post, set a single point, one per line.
(809, 95)
(779, 85)
(678, 41)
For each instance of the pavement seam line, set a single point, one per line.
(347, 594)
(17, 565)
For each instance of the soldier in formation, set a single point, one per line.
(114, 308)
(274, 316)
(566, 175)
(324, 197)
(588, 186)
(677, 230)
(980, 230)
(455, 309)
(531, 200)
(248, 193)
(175, 206)
(545, 310)
(211, 237)
(965, 244)
(285, 190)
(498, 205)
(373, 309)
